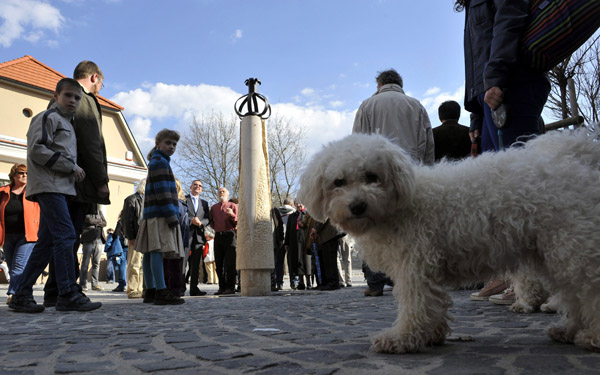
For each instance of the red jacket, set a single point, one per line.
(31, 212)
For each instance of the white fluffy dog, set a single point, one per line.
(532, 211)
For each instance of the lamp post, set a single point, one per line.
(255, 240)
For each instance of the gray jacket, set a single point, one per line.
(51, 153)
(400, 118)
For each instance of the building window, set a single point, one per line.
(27, 112)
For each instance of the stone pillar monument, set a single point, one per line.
(255, 238)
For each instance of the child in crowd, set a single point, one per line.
(159, 234)
(52, 169)
(173, 267)
(209, 256)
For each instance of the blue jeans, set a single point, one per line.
(524, 104)
(120, 267)
(17, 251)
(154, 274)
(55, 238)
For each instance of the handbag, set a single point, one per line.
(556, 29)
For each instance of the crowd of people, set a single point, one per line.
(165, 239)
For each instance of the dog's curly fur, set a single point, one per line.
(531, 211)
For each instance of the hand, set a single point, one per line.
(229, 212)
(132, 243)
(474, 134)
(79, 174)
(102, 191)
(196, 221)
(494, 97)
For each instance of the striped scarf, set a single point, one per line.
(160, 198)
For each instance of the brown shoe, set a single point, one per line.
(373, 293)
(506, 298)
(134, 295)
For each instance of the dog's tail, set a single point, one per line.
(582, 144)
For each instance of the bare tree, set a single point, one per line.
(583, 67)
(209, 151)
(287, 154)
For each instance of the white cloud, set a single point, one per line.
(148, 107)
(237, 35)
(27, 19)
(322, 126)
(432, 91)
(307, 91)
(434, 97)
(336, 103)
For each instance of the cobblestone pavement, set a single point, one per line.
(291, 332)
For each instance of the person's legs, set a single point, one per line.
(279, 269)
(87, 249)
(229, 261)
(220, 247)
(20, 253)
(122, 270)
(134, 273)
(195, 267)
(96, 257)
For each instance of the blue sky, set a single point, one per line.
(168, 61)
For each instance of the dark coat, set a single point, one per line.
(493, 31)
(197, 233)
(131, 215)
(451, 141)
(94, 222)
(91, 151)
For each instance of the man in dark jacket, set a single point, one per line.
(496, 79)
(91, 157)
(451, 138)
(198, 212)
(130, 217)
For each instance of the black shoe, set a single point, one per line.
(227, 292)
(301, 286)
(119, 289)
(25, 304)
(218, 292)
(75, 301)
(165, 297)
(49, 301)
(274, 288)
(149, 296)
(373, 293)
(197, 292)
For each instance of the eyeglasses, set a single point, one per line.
(22, 173)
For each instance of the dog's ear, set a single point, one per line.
(312, 193)
(400, 173)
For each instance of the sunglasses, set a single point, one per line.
(22, 173)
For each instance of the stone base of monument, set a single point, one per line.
(256, 282)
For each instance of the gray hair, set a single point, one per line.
(141, 186)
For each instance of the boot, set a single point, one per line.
(149, 295)
(166, 297)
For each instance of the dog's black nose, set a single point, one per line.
(358, 208)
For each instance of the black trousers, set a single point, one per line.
(225, 243)
(194, 264)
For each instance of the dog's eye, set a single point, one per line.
(371, 178)
(339, 182)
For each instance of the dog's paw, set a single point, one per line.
(561, 334)
(549, 307)
(588, 339)
(522, 307)
(390, 342)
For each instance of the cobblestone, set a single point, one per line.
(291, 332)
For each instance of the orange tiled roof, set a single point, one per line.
(29, 71)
